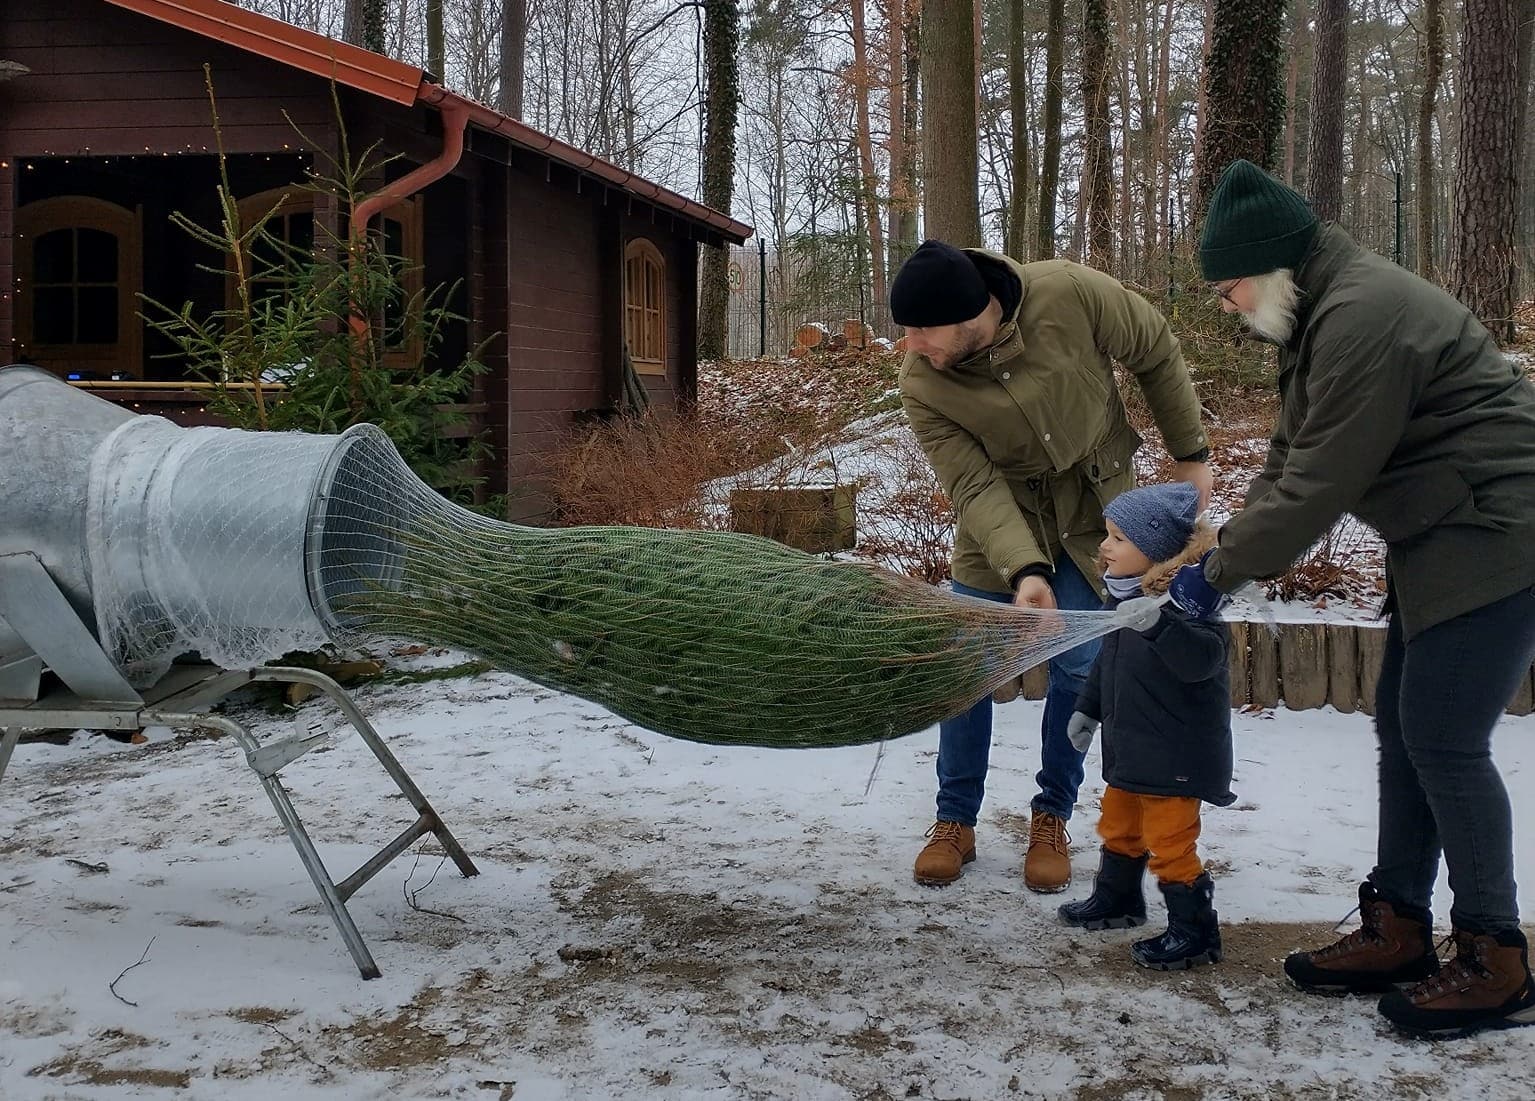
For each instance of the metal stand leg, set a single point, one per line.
(429, 820)
(268, 760)
(9, 736)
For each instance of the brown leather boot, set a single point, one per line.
(1486, 985)
(950, 847)
(1388, 948)
(1047, 865)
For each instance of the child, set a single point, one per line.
(1163, 697)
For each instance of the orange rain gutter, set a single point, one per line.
(454, 120)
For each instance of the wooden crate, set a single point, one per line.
(818, 518)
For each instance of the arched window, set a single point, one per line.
(77, 296)
(290, 218)
(645, 306)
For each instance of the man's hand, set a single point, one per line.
(1199, 476)
(1034, 592)
(1194, 595)
(1080, 729)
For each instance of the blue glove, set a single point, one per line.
(1195, 596)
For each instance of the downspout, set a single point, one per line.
(455, 117)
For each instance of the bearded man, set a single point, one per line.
(1398, 407)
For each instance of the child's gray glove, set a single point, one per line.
(1139, 613)
(1080, 729)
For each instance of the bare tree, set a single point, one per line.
(1018, 99)
(722, 30)
(950, 162)
(868, 174)
(513, 56)
(1244, 91)
(1300, 33)
(1098, 170)
(1433, 58)
(1329, 84)
(1050, 166)
(1483, 272)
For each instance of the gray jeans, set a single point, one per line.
(1439, 697)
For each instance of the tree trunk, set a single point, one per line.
(896, 145)
(1017, 81)
(1162, 162)
(1050, 166)
(1098, 166)
(868, 174)
(1298, 30)
(722, 21)
(436, 46)
(950, 158)
(1482, 260)
(1433, 58)
(1244, 91)
(1329, 84)
(912, 31)
(514, 50)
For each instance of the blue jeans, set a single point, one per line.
(1438, 699)
(964, 742)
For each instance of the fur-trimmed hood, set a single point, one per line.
(1154, 582)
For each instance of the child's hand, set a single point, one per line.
(1139, 613)
(1080, 729)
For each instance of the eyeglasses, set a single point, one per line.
(1224, 291)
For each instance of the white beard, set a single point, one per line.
(1273, 315)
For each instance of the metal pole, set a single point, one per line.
(1398, 205)
(761, 297)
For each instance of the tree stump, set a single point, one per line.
(809, 335)
(1371, 642)
(1238, 658)
(1343, 667)
(1263, 666)
(856, 333)
(817, 519)
(1303, 665)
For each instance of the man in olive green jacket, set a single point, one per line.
(1398, 407)
(1008, 383)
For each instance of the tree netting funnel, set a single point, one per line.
(241, 546)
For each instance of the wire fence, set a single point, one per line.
(774, 291)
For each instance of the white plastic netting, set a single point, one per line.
(242, 546)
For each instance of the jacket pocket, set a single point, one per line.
(1416, 503)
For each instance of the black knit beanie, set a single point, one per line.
(938, 285)
(1255, 225)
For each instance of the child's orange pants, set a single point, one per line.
(1167, 825)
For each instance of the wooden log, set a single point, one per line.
(1238, 656)
(1262, 666)
(1343, 667)
(1371, 645)
(856, 333)
(1524, 698)
(809, 335)
(1303, 665)
(817, 518)
(1036, 682)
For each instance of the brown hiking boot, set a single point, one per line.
(1047, 865)
(1388, 948)
(943, 858)
(1486, 985)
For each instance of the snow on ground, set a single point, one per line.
(740, 923)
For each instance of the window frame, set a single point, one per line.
(648, 354)
(124, 356)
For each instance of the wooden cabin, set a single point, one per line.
(106, 129)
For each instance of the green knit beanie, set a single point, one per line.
(1255, 225)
